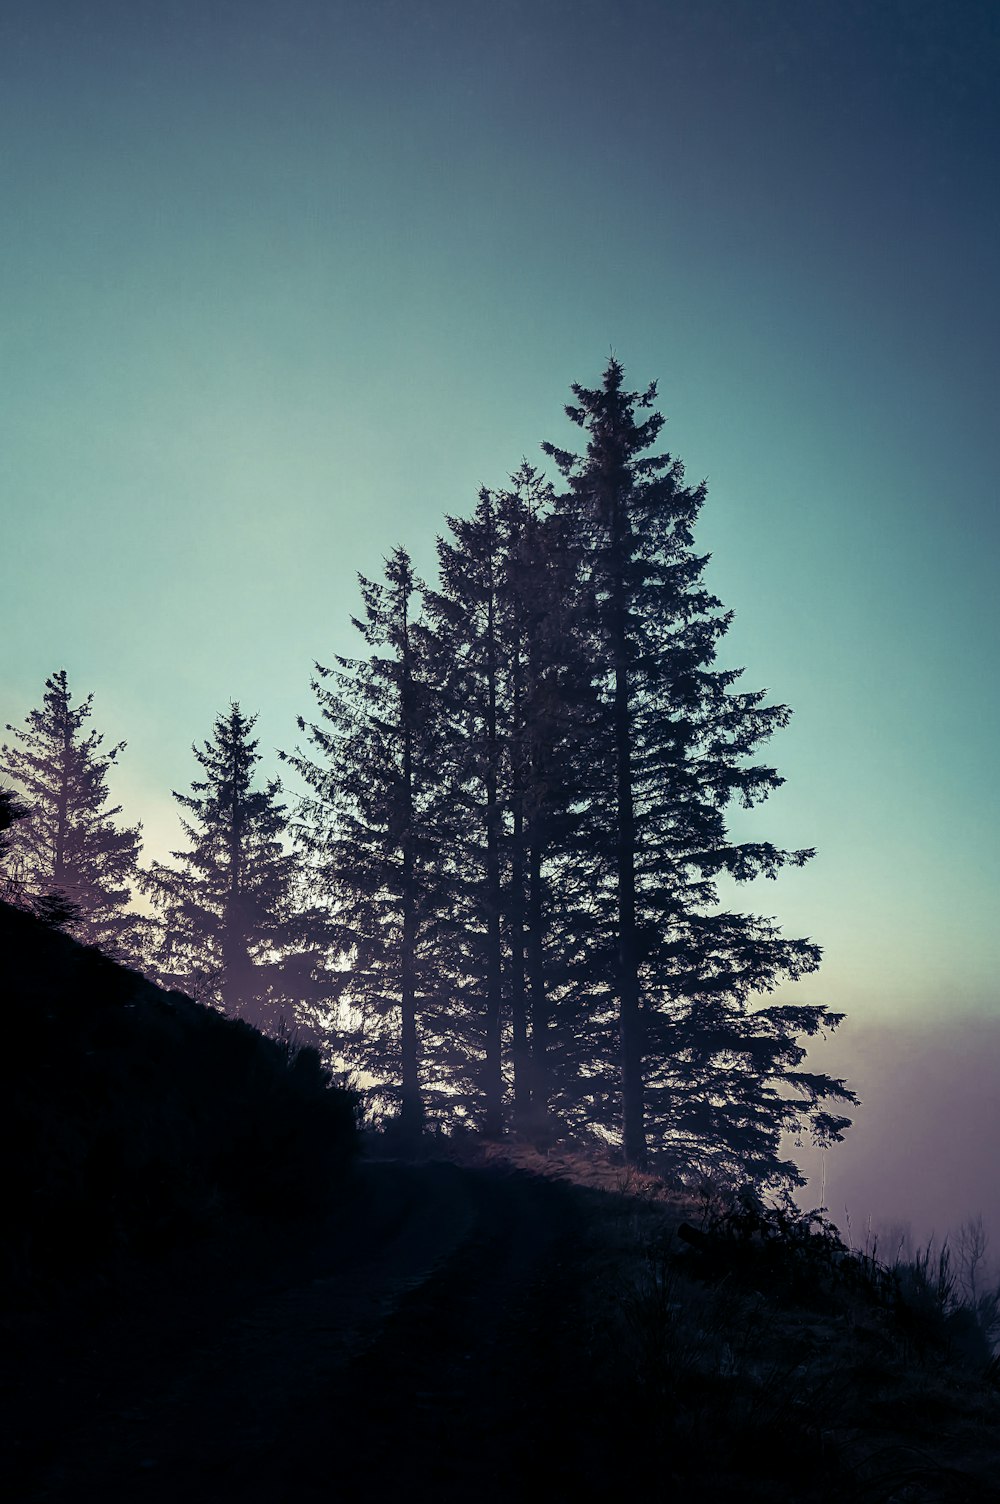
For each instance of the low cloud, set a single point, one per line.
(924, 1151)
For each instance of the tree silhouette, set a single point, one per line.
(512, 734)
(517, 824)
(10, 811)
(68, 859)
(228, 924)
(370, 828)
(673, 741)
(470, 613)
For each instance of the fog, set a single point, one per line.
(923, 1150)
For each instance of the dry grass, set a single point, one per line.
(786, 1372)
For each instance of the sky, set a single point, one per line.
(281, 285)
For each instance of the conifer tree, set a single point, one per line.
(529, 600)
(673, 739)
(469, 613)
(10, 812)
(68, 859)
(516, 725)
(369, 826)
(568, 740)
(549, 711)
(228, 919)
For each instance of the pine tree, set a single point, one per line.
(515, 722)
(229, 929)
(548, 710)
(530, 599)
(67, 858)
(469, 614)
(502, 628)
(369, 827)
(519, 511)
(671, 748)
(10, 812)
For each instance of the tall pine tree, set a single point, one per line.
(548, 709)
(369, 825)
(68, 858)
(10, 812)
(470, 614)
(229, 926)
(530, 599)
(673, 743)
(502, 631)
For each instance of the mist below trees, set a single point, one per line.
(921, 1156)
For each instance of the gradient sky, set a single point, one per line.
(284, 283)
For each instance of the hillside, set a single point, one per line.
(135, 1120)
(483, 1323)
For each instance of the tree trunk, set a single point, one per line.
(235, 959)
(493, 1065)
(540, 1086)
(630, 1020)
(62, 811)
(516, 914)
(411, 1104)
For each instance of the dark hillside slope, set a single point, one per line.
(495, 1325)
(132, 1119)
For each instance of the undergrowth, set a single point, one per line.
(766, 1360)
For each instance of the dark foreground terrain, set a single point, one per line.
(423, 1355)
(482, 1333)
(207, 1295)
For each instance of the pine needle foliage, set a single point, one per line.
(675, 746)
(371, 827)
(518, 820)
(68, 859)
(229, 929)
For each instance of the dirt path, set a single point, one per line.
(421, 1358)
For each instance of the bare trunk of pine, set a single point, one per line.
(516, 910)
(630, 1021)
(493, 1071)
(516, 913)
(62, 814)
(234, 957)
(411, 1104)
(540, 1087)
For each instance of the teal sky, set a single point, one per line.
(283, 284)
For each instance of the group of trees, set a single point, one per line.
(215, 922)
(504, 870)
